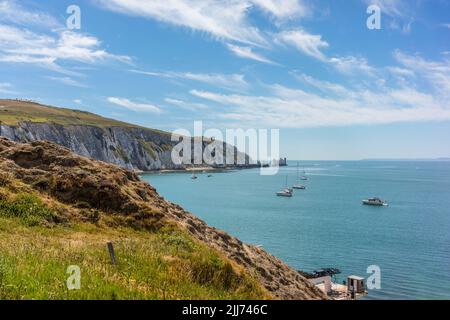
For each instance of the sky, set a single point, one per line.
(336, 89)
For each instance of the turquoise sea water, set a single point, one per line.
(327, 226)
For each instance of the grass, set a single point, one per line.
(40, 237)
(12, 112)
(163, 265)
(29, 209)
(38, 242)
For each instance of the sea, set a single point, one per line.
(327, 226)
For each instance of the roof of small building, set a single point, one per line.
(355, 277)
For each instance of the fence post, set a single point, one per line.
(111, 253)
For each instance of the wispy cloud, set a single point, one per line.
(400, 12)
(49, 46)
(68, 81)
(333, 104)
(437, 73)
(248, 53)
(225, 19)
(226, 81)
(351, 65)
(305, 42)
(191, 106)
(16, 45)
(134, 106)
(393, 8)
(313, 45)
(12, 12)
(284, 9)
(6, 88)
(401, 71)
(323, 86)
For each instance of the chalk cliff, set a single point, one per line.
(90, 135)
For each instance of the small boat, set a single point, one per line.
(194, 177)
(304, 177)
(375, 202)
(286, 192)
(209, 175)
(298, 185)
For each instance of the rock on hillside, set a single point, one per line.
(80, 182)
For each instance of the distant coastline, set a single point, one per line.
(408, 159)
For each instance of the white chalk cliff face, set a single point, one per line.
(131, 148)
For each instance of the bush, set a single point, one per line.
(29, 209)
(5, 179)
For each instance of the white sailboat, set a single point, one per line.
(286, 192)
(298, 185)
(304, 177)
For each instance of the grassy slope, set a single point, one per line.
(163, 265)
(13, 112)
(40, 237)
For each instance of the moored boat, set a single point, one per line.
(298, 185)
(286, 192)
(375, 202)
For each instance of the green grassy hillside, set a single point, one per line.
(12, 112)
(167, 264)
(58, 210)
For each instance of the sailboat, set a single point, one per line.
(298, 185)
(304, 177)
(286, 192)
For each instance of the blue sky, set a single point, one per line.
(334, 88)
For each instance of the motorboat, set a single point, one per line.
(285, 193)
(375, 202)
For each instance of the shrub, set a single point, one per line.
(5, 179)
(29, 209)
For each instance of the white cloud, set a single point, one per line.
(12, 12)
(323, 86)
(400, 12)
(437, 73)
(186, 105)
(226, 19)
(227, 81)
(6, 88)
(305, 42)
(390, 7)
(446, 25)
(78, 101)
(335, 105)
(135, 106)
(284, 9)
(68, 81)
(351, 65)
(248, 53)
(18, 45)
(401, 71)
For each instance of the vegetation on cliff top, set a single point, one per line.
(48, 223)
(12, 112)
